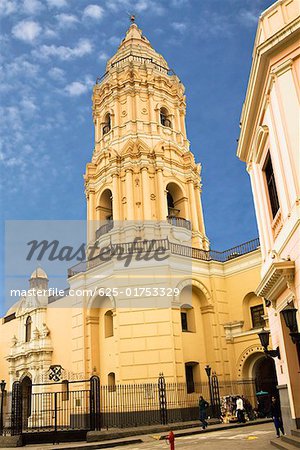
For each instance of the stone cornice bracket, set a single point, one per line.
(207, 309)
(233, 329)
(278, 278)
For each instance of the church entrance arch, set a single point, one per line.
(265, 375)
(26, 389)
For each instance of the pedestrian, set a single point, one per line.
(203, 405)
(240, 410)
(276, 415)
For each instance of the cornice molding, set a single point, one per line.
(279, 277)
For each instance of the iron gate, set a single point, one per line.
(55, 412)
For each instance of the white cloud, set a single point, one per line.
(57, 3)
(114, 40)
(27, 30)
(20, 66)
(103, 56)
(77, 88)
(249, 18)
(28, 106)
(57, 74)
(50, 33)
(94, 12)
(84, 47)
(32, 6)
(7, 7)
(136, 5)
(179, 26)
(66, 20)
(142, 5)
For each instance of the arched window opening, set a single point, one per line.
(107, 124)
(106, 208)
(172, 211)
(28, 324)
(253, 312)
(109, 324)
(105, 213)
(65, 390)
(111, 382)
(165, 119)
(187, 319)
(176, 202)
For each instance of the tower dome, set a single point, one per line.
(38, 279)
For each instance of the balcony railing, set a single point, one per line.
(138, 59)
(105, 228)
(176, 249)
(179, 222)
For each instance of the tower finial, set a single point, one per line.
(132, 18)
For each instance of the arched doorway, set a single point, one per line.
(265, 383)
(26, 387)
(265, 375)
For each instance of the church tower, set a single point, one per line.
(141, 184)
(142, 169)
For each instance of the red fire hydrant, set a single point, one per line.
(171, 439)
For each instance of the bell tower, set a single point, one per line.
(142, 170)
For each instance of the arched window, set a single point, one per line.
(108, 324)
(107, 124)
(187, 318)
(111, 382)
(253, 311)
(177, 206)
(28, 324)
(172, 211)
(165, 119)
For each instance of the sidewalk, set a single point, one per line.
(122, 437)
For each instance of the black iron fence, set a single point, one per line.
(69, 406)
(177, 249)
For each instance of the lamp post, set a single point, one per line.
(2, 387)
(290, 318)
(264, 337)
(208, 373)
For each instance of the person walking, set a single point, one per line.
(240, 410)
(276, 415)
(203, 405)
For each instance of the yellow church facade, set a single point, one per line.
(174, 305)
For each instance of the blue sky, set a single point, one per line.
(52, 52)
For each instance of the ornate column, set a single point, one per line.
(193, 207)
(91, 213)
(161, 196)
(146, 194)
(116, 197)
(197, 192)
(129, 194)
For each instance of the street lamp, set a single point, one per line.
(264, 337)
(208, 370)
(2, 388)
(290, 318)
(208, 373)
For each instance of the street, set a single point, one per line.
(254, 437)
